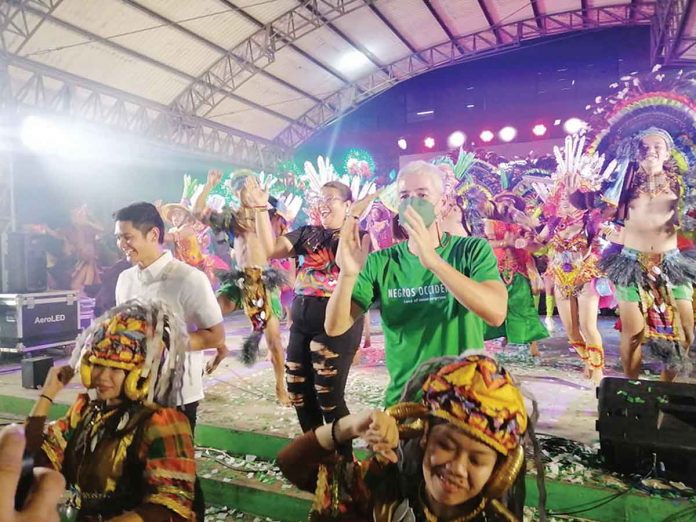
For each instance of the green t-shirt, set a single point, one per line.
(420, 318)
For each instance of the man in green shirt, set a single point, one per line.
(435, 290)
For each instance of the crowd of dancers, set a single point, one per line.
(454, 252)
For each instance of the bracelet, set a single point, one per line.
(333, 434)
(46, 397)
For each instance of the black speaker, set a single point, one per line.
(35, 370)
(648, 428)
(23, 263)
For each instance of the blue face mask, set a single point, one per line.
(424, 208)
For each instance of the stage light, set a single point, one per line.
(573, 125)
(456, 140)
(539, 129)
(38, 133)
(486, 136)
(402, 143)
(507, 133)
(62, 138)
(556, 123)
(352, 60)
(429, 142)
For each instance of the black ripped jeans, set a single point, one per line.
(317, 366)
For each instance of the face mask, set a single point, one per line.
(424, 208)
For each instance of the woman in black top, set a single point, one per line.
(316, 365)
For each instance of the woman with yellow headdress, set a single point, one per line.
(459, 456)
(126, 454)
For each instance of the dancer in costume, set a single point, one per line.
(379, 226)
(461, 424)
(573, 237)
(651, 192)
(129, 452)
(81, 242)
(190, 240)
(509, 232)
(250, 287)
(317, 365)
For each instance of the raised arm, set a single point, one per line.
(300, 460)
(487, 298)
(341, 310)
(199, 203)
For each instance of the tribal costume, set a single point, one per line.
(516, 265)
(256, 291)
(474, 394)
(136, 455)
(254, 288)
(573, 257)
(658, 106)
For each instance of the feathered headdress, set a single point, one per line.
(143, 338)
(658, 102)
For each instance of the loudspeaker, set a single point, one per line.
(23, 263)
(648, 427)
(35, 370)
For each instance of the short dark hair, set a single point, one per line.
(343, 189)
(144, 216)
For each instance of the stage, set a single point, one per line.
(240, 416)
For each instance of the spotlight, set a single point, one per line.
(429, 142)
(556, 123)
(402, 143)
(456, 140)
(486, 136)
(352, 60)
(54, 136)
(573, 125)
(507, 133)
(37, 133)
(539, 129)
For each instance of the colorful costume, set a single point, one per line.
(472, 393)
(522, 324)
(191, 241)
(251, 288)
(136, 455)
(255, 290)
(655, 105)
(573, 256)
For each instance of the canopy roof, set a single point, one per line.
(249, 80)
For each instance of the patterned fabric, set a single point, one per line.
(119, 342)
(103, 452)
(478, 396)
(654, 277)
(255, 290)
(317, 273)
(511, 261)
(170, 468)
(573, 257)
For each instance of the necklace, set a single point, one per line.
(431, 517)
(647, 184)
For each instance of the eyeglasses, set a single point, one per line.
(328, 200)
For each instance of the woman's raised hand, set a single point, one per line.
(352, 249)
(253, 194)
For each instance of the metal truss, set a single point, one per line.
(258, 51)
(17, 18)
(7, 206)
(669, 43)
(475, 45)
(50, 90)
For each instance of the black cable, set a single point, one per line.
(691, 510)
